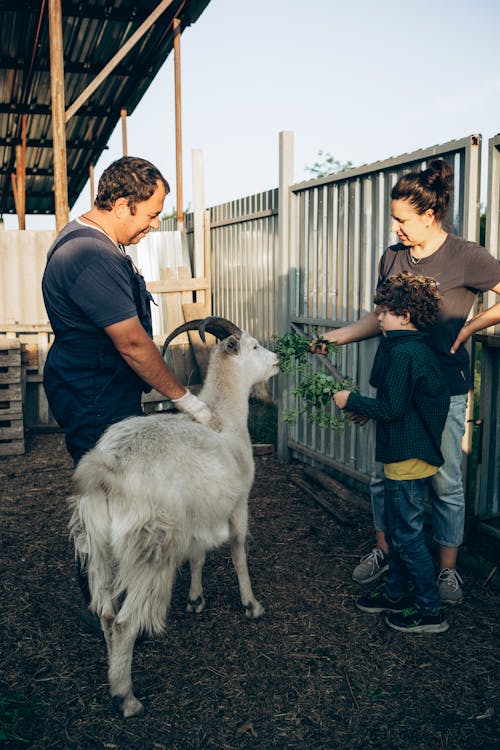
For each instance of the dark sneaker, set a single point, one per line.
(450, 586)
(378, 601)
(370, 567)
(415, 620)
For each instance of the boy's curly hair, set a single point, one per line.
(408, 293)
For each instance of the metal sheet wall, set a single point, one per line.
(488, 475)
(244, 237)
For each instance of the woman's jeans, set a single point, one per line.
(409, 558)
(446, 492)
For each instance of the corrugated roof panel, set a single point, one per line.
(92, 33)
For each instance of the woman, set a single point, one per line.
(419, 202)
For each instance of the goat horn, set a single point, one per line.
(219, 327)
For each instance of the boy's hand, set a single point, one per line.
(357, 419)
(340, 398)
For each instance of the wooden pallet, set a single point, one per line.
(11, 397)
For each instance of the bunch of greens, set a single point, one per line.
(314, 390)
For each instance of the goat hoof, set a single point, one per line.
(196, 605)
(253, 610)
(129, 706)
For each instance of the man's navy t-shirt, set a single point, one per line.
(86, 284)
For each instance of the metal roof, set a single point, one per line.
(93, 31)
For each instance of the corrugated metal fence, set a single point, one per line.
(324, 276)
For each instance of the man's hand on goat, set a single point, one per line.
(194, 406)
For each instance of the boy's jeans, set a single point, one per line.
(445, 488)
(409, 558)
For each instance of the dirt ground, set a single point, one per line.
(313, 673)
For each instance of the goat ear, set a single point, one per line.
(231, 345)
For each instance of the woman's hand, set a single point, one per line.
(319, 344)
(463, 335)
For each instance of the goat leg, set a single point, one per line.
(123, 637)
(238, 526)
(196, 600)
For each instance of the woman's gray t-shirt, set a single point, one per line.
(461, 269)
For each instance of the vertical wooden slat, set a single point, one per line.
(178, 124)
(123, 116)
(198, 213)
(92, 184)
(58, 113)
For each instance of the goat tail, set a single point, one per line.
(90, 526)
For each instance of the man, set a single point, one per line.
(103, 356)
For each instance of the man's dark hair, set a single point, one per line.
(129, 177)
(408, 293)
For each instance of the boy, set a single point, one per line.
(410, 410)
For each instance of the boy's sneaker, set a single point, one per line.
(371, 567)
(378, 601)
(449, 584)
(415, 620)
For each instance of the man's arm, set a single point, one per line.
(143, 357)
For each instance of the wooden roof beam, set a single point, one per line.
(117, 58)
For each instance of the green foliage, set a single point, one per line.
(314, 390)
(326, 164)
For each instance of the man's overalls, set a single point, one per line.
(88, 383)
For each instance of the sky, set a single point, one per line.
(362, 80)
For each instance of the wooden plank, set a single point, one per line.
(10, 392)
(193, 311)
(179, 356)
(336, 488)
(10, 409)
(339, 517)
(9, 342)
(10, 357)
(186, 297)
(11, 429)
(12, 448)
(177, 285)
(10, 374)
(25, 327)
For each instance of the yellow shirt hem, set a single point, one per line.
(411, 468)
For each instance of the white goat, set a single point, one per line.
(158, 490)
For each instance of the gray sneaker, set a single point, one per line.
(449, 583)
(371, 567)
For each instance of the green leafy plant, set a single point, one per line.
(314, 390)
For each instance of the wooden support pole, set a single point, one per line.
(58, 121)
(206, 298)
(179, 200)
(20, 192)
(198, 213)
(123, 115)
(284, 268)
(92, 185)
(21, 174)
(13, 181)
(18, 177)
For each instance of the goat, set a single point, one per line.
(162, 489)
